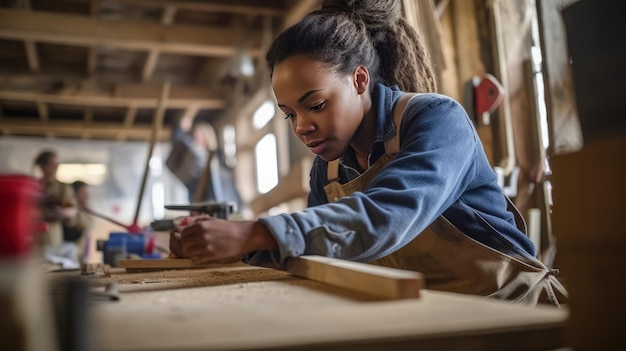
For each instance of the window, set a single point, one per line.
(266, 163)
(263, 114)
(230, 145)
(90, 173)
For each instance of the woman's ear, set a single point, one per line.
(361, 79)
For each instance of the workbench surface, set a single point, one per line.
(242, 307)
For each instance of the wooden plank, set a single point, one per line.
(135, 265)
(383, 282)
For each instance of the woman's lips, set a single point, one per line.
(317, 147)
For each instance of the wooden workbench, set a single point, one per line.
(251, 308)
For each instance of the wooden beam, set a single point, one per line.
(92, 55)
(83, 99)
(167, 18)
(208, 7)
(191, 92)
(298, 11)
(14, 125)
(85, 31)
(32, 56)
(382, 282)
(87, 120)
(149, 65)
(129, 119)
(42, 110)
(157, 125)
(29, 45)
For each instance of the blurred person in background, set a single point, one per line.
(58, 205)
(77, 230)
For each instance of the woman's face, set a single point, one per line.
(325, 110)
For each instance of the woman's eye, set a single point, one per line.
(290, 115)
(318, 106)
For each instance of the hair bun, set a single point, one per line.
(374, 13)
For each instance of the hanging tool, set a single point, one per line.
(487, 96)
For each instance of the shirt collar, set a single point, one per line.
(383, 100)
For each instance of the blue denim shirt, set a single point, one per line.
(441, 169)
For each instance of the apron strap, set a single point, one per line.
(332, 171)
(520, 223)
(392, 146)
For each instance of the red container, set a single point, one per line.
(19, 213)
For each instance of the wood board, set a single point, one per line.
(382, 282)
(139, 265)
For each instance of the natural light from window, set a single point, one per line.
(90, 173)
(263, 114)
(230, 145)
(266, 163)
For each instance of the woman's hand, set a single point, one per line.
(212, 239)
(176, 249)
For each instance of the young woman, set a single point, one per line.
(399, 179)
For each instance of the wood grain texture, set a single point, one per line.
(383, 282)
(264, 309)
(136, 265)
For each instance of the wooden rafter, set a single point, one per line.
(153, 56)
(85, 31)
(76, 130)
(108, 101)
(207, 7)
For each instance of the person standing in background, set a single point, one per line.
(58, 204)
(76, 230)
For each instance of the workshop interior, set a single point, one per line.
(164, 110)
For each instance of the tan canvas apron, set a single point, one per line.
(449, 259)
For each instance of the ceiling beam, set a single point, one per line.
(92, 56)
(207, 7)
(84, 99)
(298, 11)
(76, 130)
(167, 19)
(86, 31)
(129, 120)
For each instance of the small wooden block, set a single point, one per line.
(383, 282)
(138, 265)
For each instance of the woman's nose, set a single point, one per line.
(303, 125)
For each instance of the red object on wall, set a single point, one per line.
(488, 94)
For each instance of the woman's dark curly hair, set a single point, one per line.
(346, 34)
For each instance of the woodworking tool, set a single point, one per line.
(213, 209)
(121, 245)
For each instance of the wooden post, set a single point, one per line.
(157, 124)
